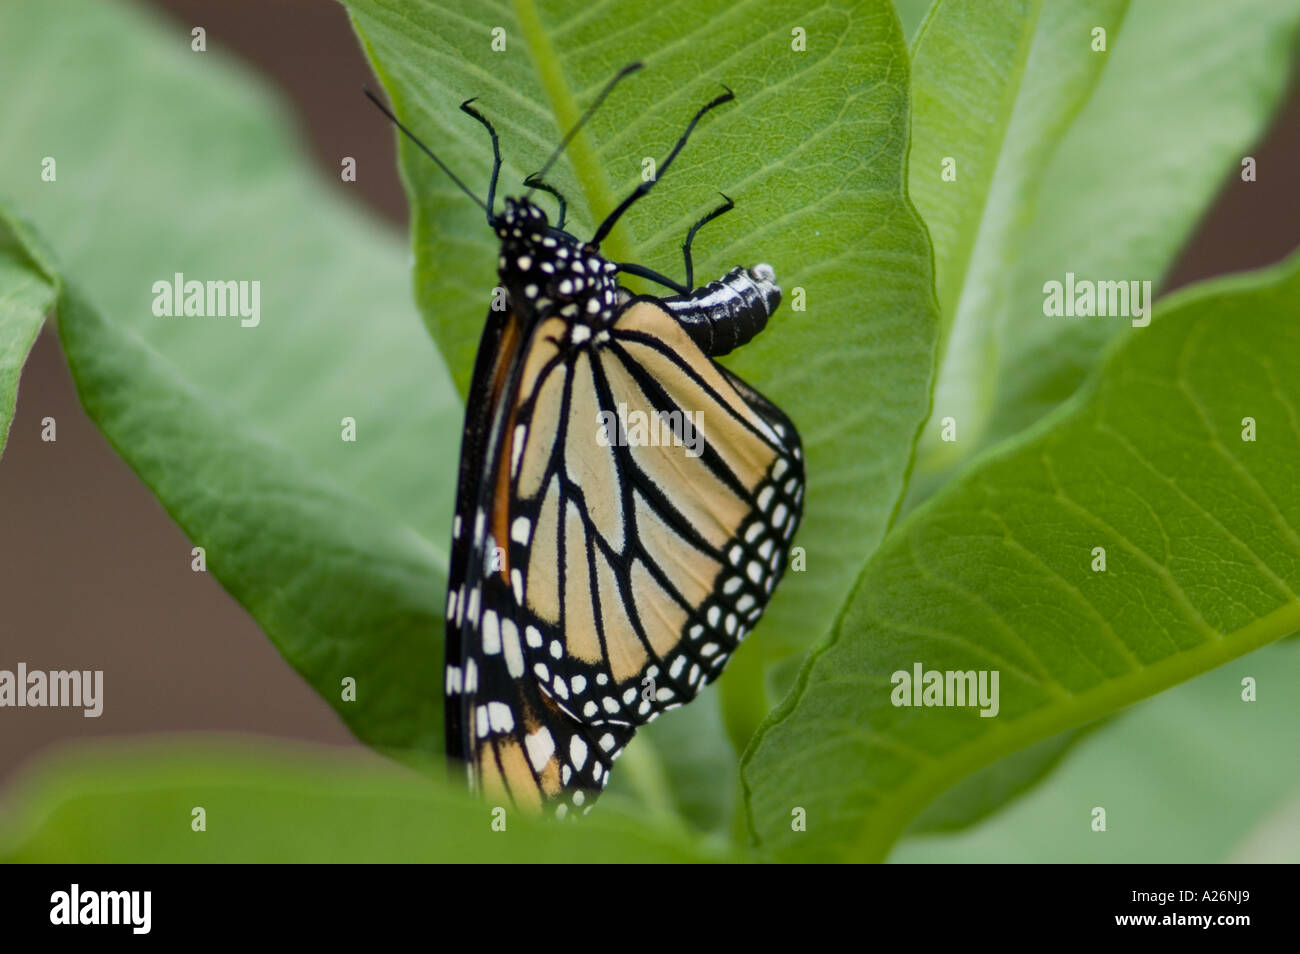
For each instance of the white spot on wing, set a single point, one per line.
(500, 718)
(519, 530)
(514, 653)
(577, 752)
(491, 632)
(540, 748)
(517, 449)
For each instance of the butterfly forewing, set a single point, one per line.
(498, 348)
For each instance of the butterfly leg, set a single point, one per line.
(645, 187)
(534, 182)
(465, 107)
(726, 206)
(659, 279)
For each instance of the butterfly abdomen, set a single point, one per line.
(723, 315)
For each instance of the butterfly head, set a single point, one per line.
(551, 272)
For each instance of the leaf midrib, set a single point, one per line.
(587, 167)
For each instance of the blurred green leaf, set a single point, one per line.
(133, 803)
(1103, 167)
(813, 152)
(995, 86)
(330, 545)
(969, 69)
(995, 573)
(1276, 839)
(25, 296)
(1194, 775)
(339, 589)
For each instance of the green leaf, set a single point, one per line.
(995, 573)
(237, 430)
(912, 13)
(1069, 160)
(995, 87)
(25, 296)
(1004, 114)
(1001, 112)
(344, 593)
(970, 66)
(1148, 154)
(1195, 775)
(986, 790)
(813, 152)
(134, 803)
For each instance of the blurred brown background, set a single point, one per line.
(93, 574)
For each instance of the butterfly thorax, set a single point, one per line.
(546, 271)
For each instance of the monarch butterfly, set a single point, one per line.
(599, 577)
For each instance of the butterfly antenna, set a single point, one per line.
(425, 149)
(559, 150)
